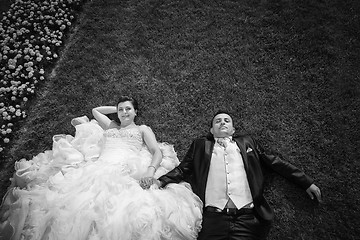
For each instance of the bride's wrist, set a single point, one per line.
(151, 170)
(152, 167)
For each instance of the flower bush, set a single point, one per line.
(32, 33)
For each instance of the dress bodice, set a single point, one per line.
(132, 135)
(124, 133)
(122, 141)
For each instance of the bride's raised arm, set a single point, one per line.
(99, 114)
(152, 144)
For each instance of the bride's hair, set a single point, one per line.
(130, 99)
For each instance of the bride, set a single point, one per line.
(92, 186)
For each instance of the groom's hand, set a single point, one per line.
(314, 190)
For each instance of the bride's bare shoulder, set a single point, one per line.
(144, 128)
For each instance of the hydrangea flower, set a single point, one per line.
(31, 36)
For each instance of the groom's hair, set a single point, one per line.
(222, 111)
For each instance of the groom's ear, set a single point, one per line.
(212, 131)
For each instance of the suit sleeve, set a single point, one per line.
(283, 168)
(183, 172)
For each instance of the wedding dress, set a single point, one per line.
(87, 187)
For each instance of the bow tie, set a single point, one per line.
(223, 141)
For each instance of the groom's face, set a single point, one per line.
(222, 126)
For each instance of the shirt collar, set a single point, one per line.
(230, 138)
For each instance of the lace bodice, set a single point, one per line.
(122, 141)
(129, 133)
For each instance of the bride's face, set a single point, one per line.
(126, 113)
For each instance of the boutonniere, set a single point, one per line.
(249, 150)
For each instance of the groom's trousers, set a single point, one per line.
(230, 226)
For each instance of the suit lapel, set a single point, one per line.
(243, 153)
(209, 146)
(205, 159)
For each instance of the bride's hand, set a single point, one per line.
(146, 182)
(148, 178)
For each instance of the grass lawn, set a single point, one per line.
(4, 6)
(287, 70)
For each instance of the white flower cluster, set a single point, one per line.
(31, 34)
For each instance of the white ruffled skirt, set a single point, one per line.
(68, 193)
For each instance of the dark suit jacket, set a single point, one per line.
(195, 168)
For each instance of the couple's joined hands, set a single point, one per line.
(146, 182)
(148, 179)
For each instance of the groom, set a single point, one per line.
(225, 172)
